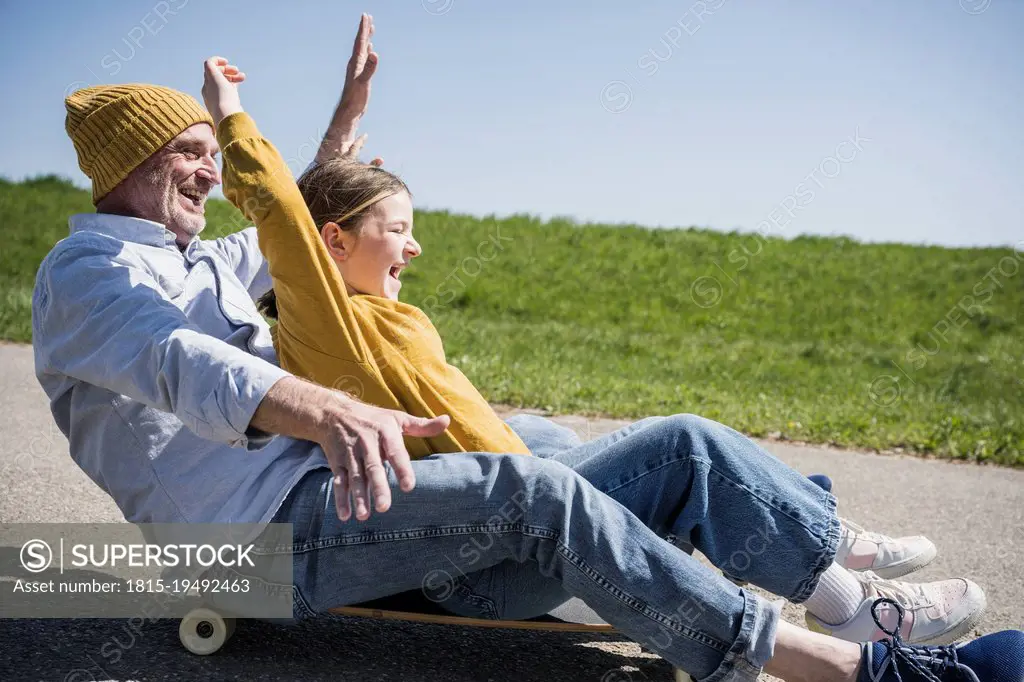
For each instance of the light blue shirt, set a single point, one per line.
(155, 359)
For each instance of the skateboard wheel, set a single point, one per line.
(203, 631)
(680, 676)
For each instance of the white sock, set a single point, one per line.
(837, 596)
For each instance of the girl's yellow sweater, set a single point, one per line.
(384, 352)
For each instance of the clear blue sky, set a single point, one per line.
(504, 107)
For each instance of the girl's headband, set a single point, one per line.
(369, 202)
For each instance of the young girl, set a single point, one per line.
(336, 245)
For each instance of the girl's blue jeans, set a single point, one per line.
(513, 536)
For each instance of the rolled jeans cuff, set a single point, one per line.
(754, 645)
(827, 555)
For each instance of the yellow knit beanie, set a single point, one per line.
(117, 127)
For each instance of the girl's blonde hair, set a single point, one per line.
(341, 191)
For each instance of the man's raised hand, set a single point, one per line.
(355, 96)
(351, 152)
(340, 138)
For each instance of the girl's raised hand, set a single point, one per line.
(220, 88)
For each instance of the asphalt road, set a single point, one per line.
(974, 514)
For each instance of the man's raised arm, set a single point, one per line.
(355, 96)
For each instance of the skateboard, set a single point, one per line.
(204, 631)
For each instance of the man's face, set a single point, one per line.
(171, 186)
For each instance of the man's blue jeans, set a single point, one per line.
(512, 536)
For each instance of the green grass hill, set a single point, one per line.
(814, 339)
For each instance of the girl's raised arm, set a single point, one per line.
(313, 305)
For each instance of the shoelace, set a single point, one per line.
(908, 594)
(859, 531)
(928, 662)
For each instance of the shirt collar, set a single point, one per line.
(126, 229)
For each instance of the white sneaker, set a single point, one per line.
(860, 550)
(935, 614)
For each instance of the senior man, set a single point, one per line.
(162, 374)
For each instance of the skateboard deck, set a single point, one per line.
(572, 616)
(204, 631)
